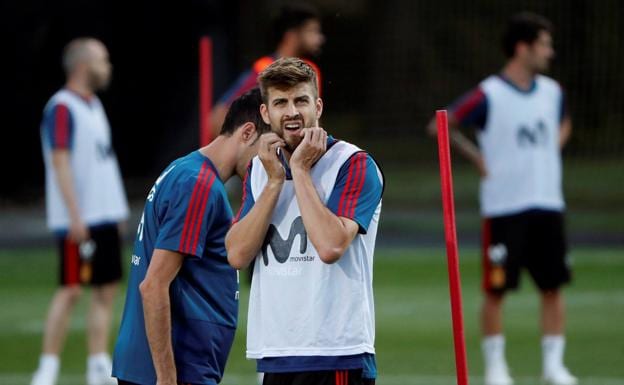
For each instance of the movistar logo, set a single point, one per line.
(532, 136)
(280, 246)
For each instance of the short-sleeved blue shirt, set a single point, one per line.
(186, 211)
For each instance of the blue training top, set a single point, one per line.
(186, 211)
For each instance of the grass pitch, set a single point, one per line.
(414, 337)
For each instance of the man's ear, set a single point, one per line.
(521, 48)
(319, 108)
(248, 131)
(264, 111)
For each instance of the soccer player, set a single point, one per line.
(309, 219)
(182, 301)
(296, 33)
(521, 127)
(85, 202)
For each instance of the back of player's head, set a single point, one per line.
(523, 27)
(291, 16)
(76, 51)
(245, 108)
(286, 73)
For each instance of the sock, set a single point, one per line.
(494, 350)
(49, 364)
(98, 360)
(552, 351)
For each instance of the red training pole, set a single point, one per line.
(205, 89)
(450, 234)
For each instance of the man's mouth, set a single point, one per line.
(293, 125)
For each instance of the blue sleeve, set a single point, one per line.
(470, 109)
(248, 200)
(358, 190)
(187, 214)
(245, 81)
(58, 127)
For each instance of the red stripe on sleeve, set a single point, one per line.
(469, 104)
(346, 188)
(201, 213)
(191, 207)
(61, 126)
(357, 190)
(201, 194)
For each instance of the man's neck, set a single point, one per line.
(286, 49)
(222, 154)
(519, 74)
(79, 87)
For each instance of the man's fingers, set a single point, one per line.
(274, 146)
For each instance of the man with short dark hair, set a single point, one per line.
(522, 124)
(309, 218)
(182, 301)
(85, 202)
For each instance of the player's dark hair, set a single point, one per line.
(291, 16)
(285, 73)
(523, 27)
(245, 108)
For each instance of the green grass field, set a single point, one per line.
(414, 338)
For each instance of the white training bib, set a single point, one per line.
(520, 145)
(299, 305)
(97, 180)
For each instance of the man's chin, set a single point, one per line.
(291, 145)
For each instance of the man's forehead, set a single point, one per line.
(301, 89)
(544, 36)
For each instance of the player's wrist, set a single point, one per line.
(275, 182)
(299, 169)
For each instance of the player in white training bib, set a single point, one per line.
(85, 203)
(521, 127)
(309, 218)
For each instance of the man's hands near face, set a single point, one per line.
(310, 150)
(267, 152)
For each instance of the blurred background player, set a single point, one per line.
(311, 312)
(522, 126)
(85, 202)
(296, 32)
(182, 302)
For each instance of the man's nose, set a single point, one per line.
(291, 110)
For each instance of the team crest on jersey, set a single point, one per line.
(281, 247)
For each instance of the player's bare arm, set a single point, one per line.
(459, 141)
(565, 131)
(245, 238)
(61, 162)
(330, 234)
(163, 268)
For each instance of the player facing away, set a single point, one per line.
(521, 127)
(182, 300)
(85, 203)
(309, 219)
(296, 32)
